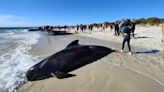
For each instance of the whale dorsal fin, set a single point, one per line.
(74, 43)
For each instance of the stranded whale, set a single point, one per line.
(61, 63)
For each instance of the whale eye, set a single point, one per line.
(31, 68)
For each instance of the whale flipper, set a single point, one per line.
(74, 43)
(62, 75)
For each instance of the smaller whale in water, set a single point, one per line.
(72, 57)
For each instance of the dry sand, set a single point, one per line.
(146, 37)
(117, 72)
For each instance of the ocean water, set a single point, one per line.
(15, 58)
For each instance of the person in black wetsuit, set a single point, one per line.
(111, 26)
(116, 29)
(133, 26)
(126, 29)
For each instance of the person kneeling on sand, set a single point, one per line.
(126, 30)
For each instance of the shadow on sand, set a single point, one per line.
(148, 52)
(142, 37)
(51, 76)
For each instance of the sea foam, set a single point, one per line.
(15, 63)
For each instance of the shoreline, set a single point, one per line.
(115, 73)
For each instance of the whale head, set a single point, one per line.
(37, 72)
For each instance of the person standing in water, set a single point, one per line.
(126, 30)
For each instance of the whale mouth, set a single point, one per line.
(32, 77)
(36, 77)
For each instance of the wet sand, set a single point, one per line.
(117, 72)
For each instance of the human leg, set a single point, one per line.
(129, 47)
(123, 43)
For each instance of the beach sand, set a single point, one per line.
(117, 72)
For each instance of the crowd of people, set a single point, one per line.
(77, 28)
(125, 27)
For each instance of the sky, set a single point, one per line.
(72, 12)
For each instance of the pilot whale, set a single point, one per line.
(71, 58)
